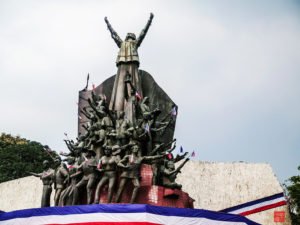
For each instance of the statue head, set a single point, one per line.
(107, 151)
(46, 164)
(135, 149)
(130, 36)
(57, 161)
(170, 165)
(90, 153)
(70, 160)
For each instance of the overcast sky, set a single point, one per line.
(232, 67)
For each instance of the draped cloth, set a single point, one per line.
(121, 97)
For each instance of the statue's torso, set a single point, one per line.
(128, 52)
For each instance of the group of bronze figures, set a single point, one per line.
(119, 136)
(111, 148)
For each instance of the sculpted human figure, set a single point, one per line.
(47, 178)
(170, 174)
(108, 166)
(122, 125)
(132, 97)
(127, 60)
(160, 149)
(66, 197)
(97, 102)
(150, 124)
(131, 165)
(61, 178)
(76, 148)
(87, 168)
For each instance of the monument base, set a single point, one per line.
(152, 194)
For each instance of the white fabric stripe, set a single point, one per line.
(116, 217)
(238, 211)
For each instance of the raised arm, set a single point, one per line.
(182, 164)
(84, 112)
(35, 174)
(151, 158)
(114, 34)
(144, 31)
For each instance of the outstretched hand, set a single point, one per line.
(151, 16)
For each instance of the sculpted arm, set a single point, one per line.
(36, 174)
(150, 158)
(114, 34)
(144, 31)
(121, 163)
(50, 174)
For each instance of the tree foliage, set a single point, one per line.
(293, 192)
(19, 156)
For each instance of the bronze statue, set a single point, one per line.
(131, 165)
(87, 168)
(135, 126)
(61, 178)
(66, 197)
(122, 124)
(108, 166)
(127, 60)
(170, 174)
(160, 149)
(47, 178)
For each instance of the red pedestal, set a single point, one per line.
(152, 194)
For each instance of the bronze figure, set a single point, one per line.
(127, 60)
(108, 166)
(47, 178)
(131, 165)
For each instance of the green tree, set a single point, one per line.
(292, 187)
(19, 156)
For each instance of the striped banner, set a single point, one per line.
(120, 214)
(258, 205)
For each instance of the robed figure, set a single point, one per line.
(127, 62)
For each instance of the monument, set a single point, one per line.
(125, 140)
(123, 154)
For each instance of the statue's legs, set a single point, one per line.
(121, 188)
(77, 188)
(66, 197)
(47, 190)
(57, 196)
(62, 198)
(111, 186)
(154, 172)
(103, 181)
(89, 189)
(136, 184)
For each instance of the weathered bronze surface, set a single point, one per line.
(125, 122)
(47, 178)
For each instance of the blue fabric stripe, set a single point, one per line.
(272, 197)
(125, 208)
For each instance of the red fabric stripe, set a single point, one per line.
(263, 208)
(106, 223)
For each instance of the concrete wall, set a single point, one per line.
(214, 186)
(21, 193)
